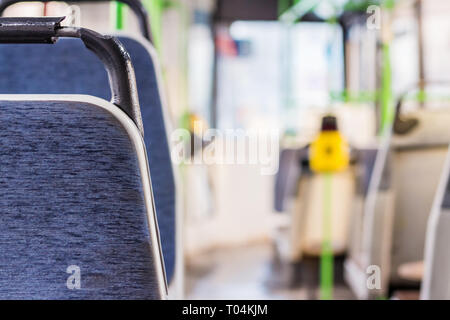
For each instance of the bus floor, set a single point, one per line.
(251, 272)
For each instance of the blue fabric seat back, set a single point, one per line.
(71, 194)
(70, 68)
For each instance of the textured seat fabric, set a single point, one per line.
(71, 194)
(70, 68)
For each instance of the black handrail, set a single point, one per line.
(112, 53)
(135, 5)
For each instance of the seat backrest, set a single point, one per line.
(72, 195)
(288, 175)
(74, 70)
(77, 207)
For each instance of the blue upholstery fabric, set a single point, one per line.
(69, 68)
(71, 194)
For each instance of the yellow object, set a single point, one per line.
(197, 124)
(329, 152)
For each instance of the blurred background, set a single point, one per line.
(343, 105)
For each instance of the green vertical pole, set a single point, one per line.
(155, 9)
(118, 15)
(326, 258)
(387, 106)
(387, 114)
